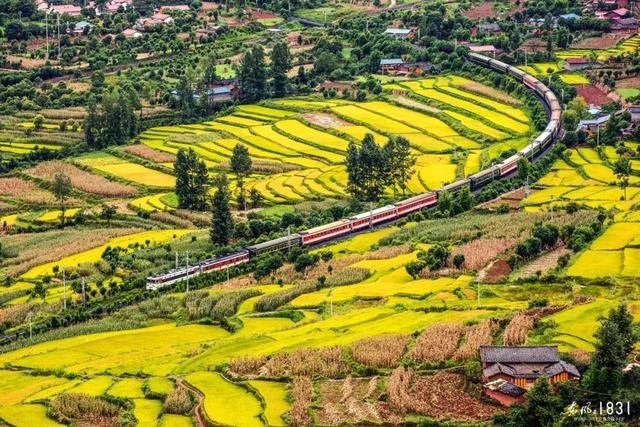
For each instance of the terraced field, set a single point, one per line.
(307, 138)
(585, 176)
(627, 47)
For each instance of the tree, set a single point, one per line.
(542, 405)
(524, 168)
(253, 76)
(354, 178)
(465, 199)
(372, 169)
(191, 180)
(280, 65)
(255, 198)
(435, 257)
(458, 261)
(221, 221)
(62, 191)
(185, 101)
(400, 162)
(616, 340)
(38, 121)
(113, 121)
(241, 166)
(414, 268)
(445, 203)
(622, 169)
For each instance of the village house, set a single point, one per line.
(157, 19)
(42, 5)
(591, 126)
(391, 65)
(399, 33)
(179, 7)
(490, 28)
(69, 9)
(79, 28)
(575, 64)
(634, 110)
(485, 49)
(625, 25)
(339, 87)
(520, 367)
(130, 33)
(418, 68)
(114, 6)
(569, 16)
(613, 15)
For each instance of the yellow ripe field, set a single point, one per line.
(312, 136)
(93, 255)
(126, 170)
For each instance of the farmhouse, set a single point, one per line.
(485, 49)
(130, 33)
(634, 110)
(180, 7)
(66, 8)
(521, 367)
(625, 25)
(613, 15)
(157, 19)
(490, 28)
(575, 64)
(391, 65)
(569, 16)
(398, 33)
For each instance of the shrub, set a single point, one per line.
(384, 351)
(273, 301)
(414, 268)
(458, 261)
(178, 402)
(305, 261)
(73, 407)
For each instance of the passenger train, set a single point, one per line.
(355, 223)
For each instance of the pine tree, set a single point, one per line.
(616, 340)
(253, 76)
(241, 167)
(62, 191)
(401, 163)
(221, 221)
(354, 178)
(280, 65)
(191, 180)
(622, 169)
(372, 168)
(542, 405)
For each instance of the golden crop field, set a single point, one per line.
(126, 170)
(93, 255)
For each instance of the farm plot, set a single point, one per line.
(224, 402)
(94, 254)
(312, 136)
(275, 396)
(126, 170)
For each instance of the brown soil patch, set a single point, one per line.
(150, 154)
(543, 263)
(495, 272)
(441, 396)
(351, 401)
(630, 83)
(82, 180)
(209, 5)
(25, 191)
(511, 199)
(28, 63)
(324, 120)
(481, 89)
(415, 104)
(261, 14)
(593, 95)
(605, 41)
(483, 10)
(480, 252)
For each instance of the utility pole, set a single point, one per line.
(370, 215)
(478, 293)
(176, 260)
(84, 300)
(64, 288)
(58, 21)
(289, 240)
(598, 137)
(30, 325)
(187, 271)
(46, 32)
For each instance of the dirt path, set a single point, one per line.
(197, 410)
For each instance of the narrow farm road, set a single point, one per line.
(197, 410)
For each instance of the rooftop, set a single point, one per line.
(524, 354)
(391, 61)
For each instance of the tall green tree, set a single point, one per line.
(354, 178)
(616, 340)
(253, 75)
(221, 220)
(622, 169)
(112, 121)
(524, 168)
(241, 167)
(191, 180)
(61, 191)
(373, 169)
(400, 162)
(280, 66)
